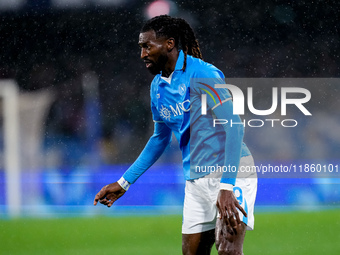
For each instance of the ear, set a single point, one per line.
(170, 44)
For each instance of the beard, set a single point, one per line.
(157, 67)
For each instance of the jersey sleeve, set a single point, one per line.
(154, 96)
(151, 152)
(219, 104)
(234, 130)
(204, 81)
(155, 114)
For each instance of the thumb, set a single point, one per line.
(219, 208)
(101, 194)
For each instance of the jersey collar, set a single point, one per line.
(180, 61)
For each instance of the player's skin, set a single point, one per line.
(109, 194)
(160, 54)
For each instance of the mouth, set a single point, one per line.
(148, 63)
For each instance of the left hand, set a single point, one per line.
(227, 205)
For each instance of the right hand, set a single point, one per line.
(109, 194)
(228, 207)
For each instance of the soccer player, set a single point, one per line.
(218, 205)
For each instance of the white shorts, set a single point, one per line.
(200, 210)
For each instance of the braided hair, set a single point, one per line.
(177, 28)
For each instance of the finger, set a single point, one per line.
(241, 209)
(227, 223)
(101, 194)
(228, 228)
(97, 198)
(219, 209)
(231, 216)
(225, 213)
(234, 218)
(111, 196)
(234, 226)
(104, 201)
(220, 228)
(237, 218)
(233, 223)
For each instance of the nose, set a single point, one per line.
(143, 53)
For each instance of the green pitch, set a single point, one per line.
(275, 234)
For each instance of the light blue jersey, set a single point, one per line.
(176, 101)
(176, 107)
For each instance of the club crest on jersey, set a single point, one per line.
(181, 89)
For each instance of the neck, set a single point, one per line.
(171, 63)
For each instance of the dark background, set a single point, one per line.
(43, 47)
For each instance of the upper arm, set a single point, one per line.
(162, 132)
(204, 81)
(153, 95)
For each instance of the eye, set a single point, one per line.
(144, 46)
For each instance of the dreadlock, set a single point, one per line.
(177, 28)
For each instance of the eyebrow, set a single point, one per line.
(142, 43)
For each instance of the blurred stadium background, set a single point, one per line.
(83, 110)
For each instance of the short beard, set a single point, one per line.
(157, 67)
